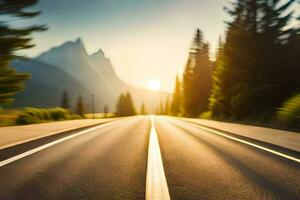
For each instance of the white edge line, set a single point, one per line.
(245, 142)
(50, 134)
(35, 150)
(156, 183)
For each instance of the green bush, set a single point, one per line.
(25, 118)
(46, 114)
(34, 112)
(206, 115)
(37, 115)
(289, 113)
(59, 114)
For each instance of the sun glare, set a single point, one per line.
(153, 84)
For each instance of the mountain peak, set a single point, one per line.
(75, 45)
(99, 53)
(79, 41)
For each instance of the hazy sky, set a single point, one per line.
(144, 39)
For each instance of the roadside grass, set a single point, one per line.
(8, 116)
(99, 115)
(24, 116)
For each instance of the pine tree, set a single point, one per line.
(197, 78)
(143, 109)
(276, 79)
(130, 105)
(12, 40)
(105, 111)
(65, 100)
(121, 106)
(167, 106)
(80, 107)
(125, 106)
(176, 100)
(231, 94)
(215, 100)
(202, 80)
(187, 89)
(252, 75)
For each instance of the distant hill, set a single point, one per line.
(69, 67)
(47, 84)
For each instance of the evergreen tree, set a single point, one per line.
(12, 40)
(233, 85)
(125, 106)
(120, 106)
(187, 89)
(65, 100)
(105, 111)
(251, 73)
(80, 107)
(143, 109)
(167, 106)
(130, 105)
(197, 78)
(276, 78)
(176, 100)
(202, 80)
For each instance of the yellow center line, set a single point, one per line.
(156, 183)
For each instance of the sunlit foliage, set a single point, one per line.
(11, 40)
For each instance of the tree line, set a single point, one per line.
(257, 66)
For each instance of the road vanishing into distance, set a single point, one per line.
(146, 157)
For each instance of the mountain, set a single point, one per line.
(47, 84)
(74, 70)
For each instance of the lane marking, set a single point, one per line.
(40, 148)
(156, 183)
(49, 134)
(246, 142)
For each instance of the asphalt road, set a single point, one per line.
(110, 162)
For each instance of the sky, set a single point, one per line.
(144, 39)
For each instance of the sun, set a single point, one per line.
(154, 84)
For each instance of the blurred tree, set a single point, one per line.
(197, 78)
(130, 105)
(252, 75)
(274, 79)
(12, 40)
(105, 111)
(65, 100)
(187, 89)
(125, 106)
(230, 95)
(167, 106)
(176, 100)
(202, 80)
(80, 107)
(143, 109)
(161, 108)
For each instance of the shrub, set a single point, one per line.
(289, 113)
(32, 112)
(46, 114)
(25, 118)
(58, 113)
(206, 115)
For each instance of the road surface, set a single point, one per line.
(116, 161)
